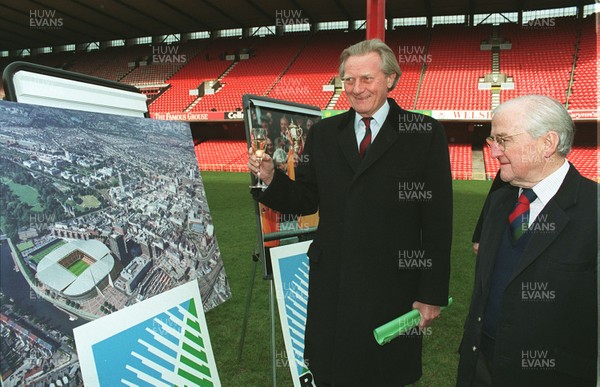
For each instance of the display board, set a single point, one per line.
(290, 276)
(287, 125)
(42, 85)
(162, 341)
(99, 212)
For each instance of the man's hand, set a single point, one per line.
(428, 313)
(266, 167)
(476, 247)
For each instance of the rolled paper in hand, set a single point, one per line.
(389, 331)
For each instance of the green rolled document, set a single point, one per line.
(389, 331)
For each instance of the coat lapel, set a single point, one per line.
(500, 208)
(384, 140)
(553, 215)
(346, 139)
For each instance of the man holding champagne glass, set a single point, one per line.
(380, 178)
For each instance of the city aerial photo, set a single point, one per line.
(97, 212)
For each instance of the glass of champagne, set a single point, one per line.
(259, 144)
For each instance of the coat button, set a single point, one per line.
(474, 348)
(478, 319)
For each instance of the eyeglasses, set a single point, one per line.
(500, 140)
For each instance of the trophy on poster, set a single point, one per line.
(259, 144)
(295, 134)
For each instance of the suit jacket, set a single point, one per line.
(383, 241)
(547, 327)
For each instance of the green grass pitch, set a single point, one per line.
(78, 267)
(25, 245)
(38, 257)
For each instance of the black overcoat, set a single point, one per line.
(547, 331)
(383, 241)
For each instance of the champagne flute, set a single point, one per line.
(259, 144)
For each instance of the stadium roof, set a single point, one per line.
(53, 274)
(84, 21)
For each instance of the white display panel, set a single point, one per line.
(41, 85)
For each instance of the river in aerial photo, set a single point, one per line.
(15, 287)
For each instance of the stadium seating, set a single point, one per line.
(92, 61)
(222, 155)
(315, 66)
(230, 156)
(410, 44)
(536, 69)
(255, 75)
(491, 164)
(165, 61)
(441, 67)
(119, 62)
(461, 161)
(585, 159)
(456, 64)
(207, 65)
(584, 92)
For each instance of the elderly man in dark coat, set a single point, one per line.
(380, 178)
(533, 319)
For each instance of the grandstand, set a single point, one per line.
(456, 70)
(457, 62)
(537, 71)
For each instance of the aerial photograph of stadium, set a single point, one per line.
(99, 213)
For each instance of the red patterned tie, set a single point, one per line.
(519, 217)
(366, 141)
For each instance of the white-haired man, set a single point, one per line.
(533, 317)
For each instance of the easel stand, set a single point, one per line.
(259, 253)
(255, 259)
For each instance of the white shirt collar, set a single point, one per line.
(381, 114)
(545, 190)
(378, 119)
(548, 187)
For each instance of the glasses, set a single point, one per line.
(500, 140)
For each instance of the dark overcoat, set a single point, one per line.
(547, 331)
(383, 241)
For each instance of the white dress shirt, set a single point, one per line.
(376, 123)
(545, 190)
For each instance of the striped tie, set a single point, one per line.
(519, 217)
(366, 141)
